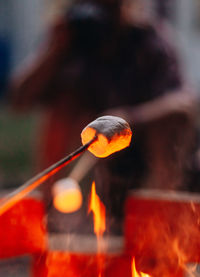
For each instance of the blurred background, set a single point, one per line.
(23, 24)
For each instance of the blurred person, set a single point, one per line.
(4, 65)
(101, 58)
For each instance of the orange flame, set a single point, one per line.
(99, 212)
(134, 271)
(99, 218)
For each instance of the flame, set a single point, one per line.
(99, 218)
(99, 212)
(134, 271)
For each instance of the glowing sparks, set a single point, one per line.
(99, 212)
(134, 271)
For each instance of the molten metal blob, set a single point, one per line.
(113, 134)
(67, 195)
(99, 212)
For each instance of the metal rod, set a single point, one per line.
(85, 163)
(12, 198)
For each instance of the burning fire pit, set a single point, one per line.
(162, 231)
(87, 255)
(162, 238)
(77, 255)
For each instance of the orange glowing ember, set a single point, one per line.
(99, 212)
(134, 271)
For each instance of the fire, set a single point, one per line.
(134, 271)
(99, 212)
(99, 218)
